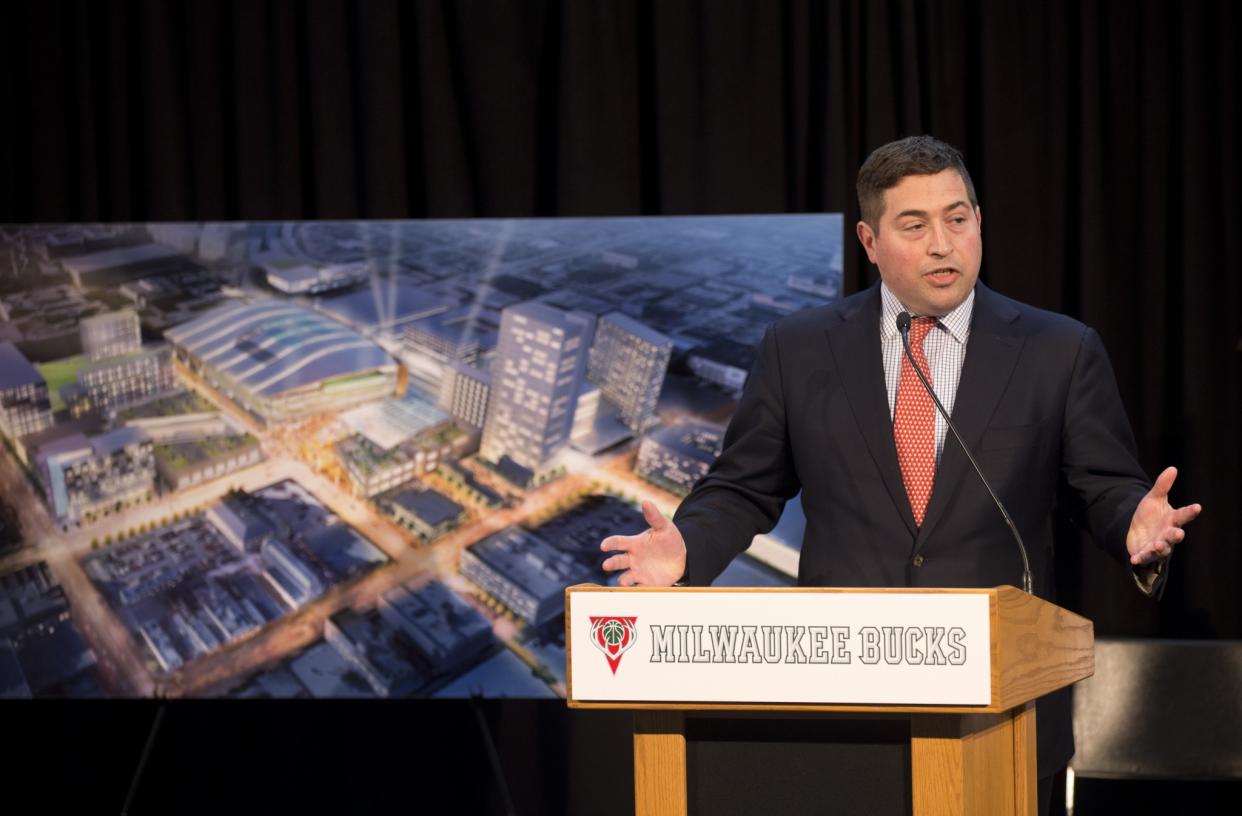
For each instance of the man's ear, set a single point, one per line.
(979, 217)
(866, 237)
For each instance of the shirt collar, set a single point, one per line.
(956, 322)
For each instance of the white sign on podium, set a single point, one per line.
(779, 646)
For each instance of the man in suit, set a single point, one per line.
(833, 408)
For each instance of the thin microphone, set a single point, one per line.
(903, 326)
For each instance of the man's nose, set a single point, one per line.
(939, 244)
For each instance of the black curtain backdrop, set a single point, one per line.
(1102, 137)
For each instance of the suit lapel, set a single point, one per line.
(855, 345)
(991, 354)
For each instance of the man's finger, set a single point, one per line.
(1187, 514)
(654, 517)
(621, 561)
(1164, 482)
(626, 579)
(1158, 548)
(623, 543)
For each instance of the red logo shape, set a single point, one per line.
(613, 636)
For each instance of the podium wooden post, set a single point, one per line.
(965, 759)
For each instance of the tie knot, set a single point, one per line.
(919, 328)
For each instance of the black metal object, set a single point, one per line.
(142, 761)
(1160, 710)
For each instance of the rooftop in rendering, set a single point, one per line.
(117, 256)
(389, 423)
(432, 507)
(399, 303)
(15, 369)
(281, 360)
(295, 276)
(697, 440)
(636, 328)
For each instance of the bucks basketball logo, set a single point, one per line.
(613, 637)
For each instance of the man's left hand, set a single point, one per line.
(1157, 525)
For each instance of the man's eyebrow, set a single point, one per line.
(923, 213)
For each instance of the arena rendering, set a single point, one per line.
(280, 361)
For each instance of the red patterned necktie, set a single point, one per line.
(914, 423)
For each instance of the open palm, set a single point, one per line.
(1157, 525)
(655, 557)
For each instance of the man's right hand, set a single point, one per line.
(655, 557)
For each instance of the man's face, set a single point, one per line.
(930, 243)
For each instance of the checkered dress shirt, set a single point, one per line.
(946, 351)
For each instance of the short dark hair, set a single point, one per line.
(912, 156)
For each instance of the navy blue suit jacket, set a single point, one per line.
(1037, 404)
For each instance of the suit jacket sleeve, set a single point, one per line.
(1099, 463)
(745, 490)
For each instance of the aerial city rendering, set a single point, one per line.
(360, 459)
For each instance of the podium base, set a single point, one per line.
(726, 762)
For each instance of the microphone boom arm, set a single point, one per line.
(903, 327)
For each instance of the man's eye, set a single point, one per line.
(913, 227)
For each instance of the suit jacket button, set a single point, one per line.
(918, 560)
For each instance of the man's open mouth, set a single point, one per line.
(944, 275)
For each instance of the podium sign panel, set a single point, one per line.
(786, 646)
(961, 667)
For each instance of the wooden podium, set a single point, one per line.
(976, 758)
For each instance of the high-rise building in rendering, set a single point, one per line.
(540, 361)
(458, 334)
(25, 407)
(464, 392)
(628, 362)
(119, 382)
(432, 344)
(586, 411)
(82, 475)
(111, 334)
